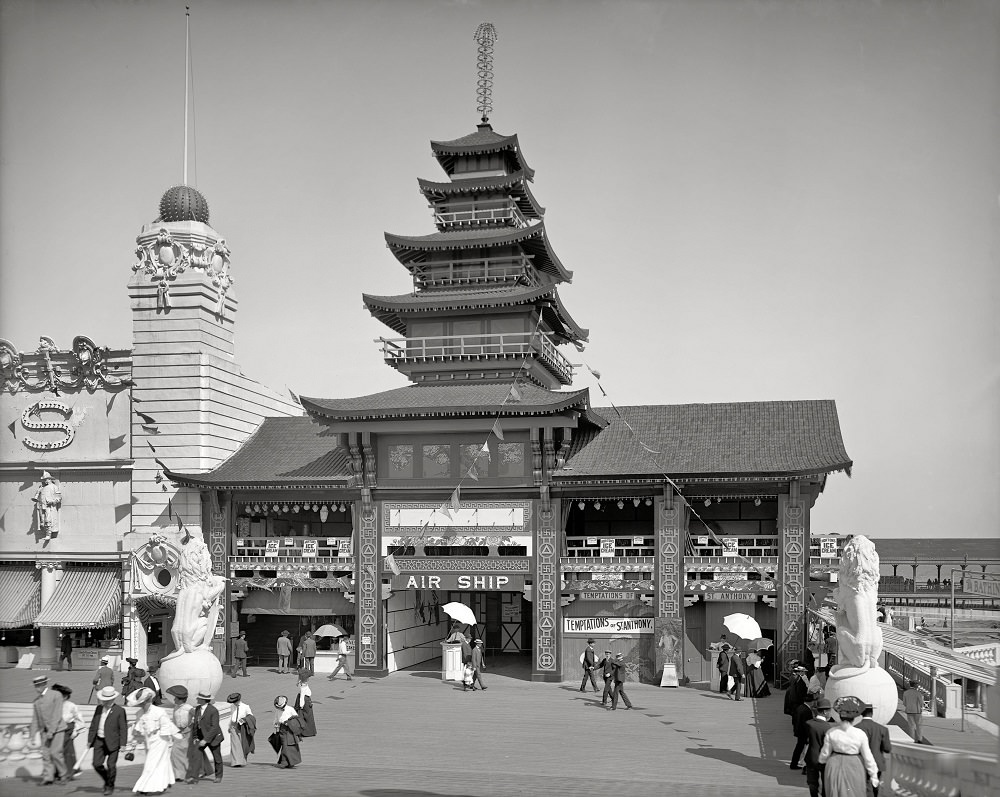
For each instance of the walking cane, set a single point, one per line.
(92, 687)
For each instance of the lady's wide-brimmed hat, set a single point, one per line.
(141, 695)
(848, 707)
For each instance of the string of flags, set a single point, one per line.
(652, 455)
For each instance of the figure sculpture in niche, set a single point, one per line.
(48, 500)
(197, 599)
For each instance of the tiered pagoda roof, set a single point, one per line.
(393, 311)
(484, 140)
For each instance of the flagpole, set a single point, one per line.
(187, 83)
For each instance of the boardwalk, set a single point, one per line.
(410, 735)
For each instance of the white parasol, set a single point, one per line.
(459, 611)
(743, 625)
(761, 644)
(329, 630)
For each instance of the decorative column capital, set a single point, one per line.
(49, 566)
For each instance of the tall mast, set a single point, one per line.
(187, 83)
(485, 35)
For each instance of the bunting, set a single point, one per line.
(295, 398)
(497, 431)
(390, 564)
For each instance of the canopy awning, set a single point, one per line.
(285, 600)
(87, 597)
(22, 596)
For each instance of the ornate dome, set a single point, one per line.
(183, 203)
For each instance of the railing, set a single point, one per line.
(481, 216)
(487, 270)
(287, 547)
(947, 696)
(623, 546)
(478, 347)
(916, 770)
(751, 546)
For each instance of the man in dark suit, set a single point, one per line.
(589, 665)
(878, 742)
(607, 668)
(152, 682)
(816, 729)
(47, 722)
(803, 713)
(737, 672)
(108, 732)
(66, 650)
(206, 735)
(618, 676)
(722, 665)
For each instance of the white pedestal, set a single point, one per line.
(451, 661)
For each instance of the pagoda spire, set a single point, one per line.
(486, 36)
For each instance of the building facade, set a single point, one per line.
(490, 481)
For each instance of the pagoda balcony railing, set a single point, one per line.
(480, 271)
(751, 547)
(506, 345)
(494, 215)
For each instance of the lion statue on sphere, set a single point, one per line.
(859, 639)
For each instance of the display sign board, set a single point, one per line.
(591, 542)
(289, 542)
(474, 582)
(827, 547)
(730, 546)
(729, 596)
(605, 595)
(310, 547)
(272, 548)
(511, 613)
(980, 586)
(607, 547)
(702, 540)
(344, 546)
(607, 625)
(607, 577)
(638, 540)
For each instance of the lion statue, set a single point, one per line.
(859, 639)
(197, 599)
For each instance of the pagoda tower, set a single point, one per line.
(485, 305)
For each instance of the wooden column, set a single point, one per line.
(668, 600)
(793, 539)
(370, 632)
(545, 598)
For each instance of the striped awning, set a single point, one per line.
(87, 597)
(22, 596)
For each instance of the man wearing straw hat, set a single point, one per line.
(108, 732)
(47, 722)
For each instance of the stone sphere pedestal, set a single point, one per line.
(873, 686)
(199, 671)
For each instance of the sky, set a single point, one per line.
(759, 200)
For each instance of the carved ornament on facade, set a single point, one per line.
(156, 567)
(164, 259)
(48, 502)
(87, 365)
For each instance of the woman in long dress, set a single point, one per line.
(756, 683)
(846, 753)
(287, 730)
(74, 727)
(304, 704)
(157, 731)
(241, 722)
(182, 716)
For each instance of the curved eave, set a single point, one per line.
(569, 475)
(205, 481)
(410, 249)
(515, 184)
(578, 400)
(447, 152)
(567, 328)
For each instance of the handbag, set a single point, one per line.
(275, 741)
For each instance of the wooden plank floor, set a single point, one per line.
(411, 735)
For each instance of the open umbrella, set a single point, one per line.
(743, 625)
(761, 644)
(329, 630)
(459, 611)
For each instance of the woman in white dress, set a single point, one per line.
(157, 731)
(846, 753)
